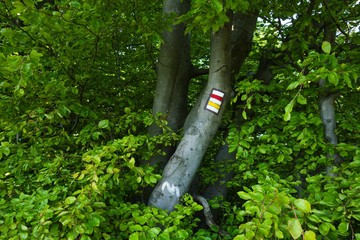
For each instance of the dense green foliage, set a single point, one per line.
(76, 87)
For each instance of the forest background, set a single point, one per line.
(202, 119)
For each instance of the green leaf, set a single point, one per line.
(80, 229)
(75, 4)
(148, 121)
(95, 24)
(35, 56)
(19, 7)
(66, 219)
(72, 235)
(29, 3)
(85, 237)
(294, 228)
(250, 234)
(141, 220)
(280, 158)
(293, 85)
(5, 150)
(23, 235)
(256, 196)
(182, 234)
(343, 227)
(134, 236)
(94, 221)
(314, 218)
(153, 179)
(123, 227)
(333, 78)
(309, 235)
(355, 163)
(302, 205)
(70, 200)
(244, 195)
(288, 110)
(14, 63)
(24, 227)
(347, 80)
(241, 237)
(153, 232)
(164, 236)
(301, 99)
(244, 144)
(326, 47)
(99, 205)
(103, 123)
(279, 234)
(354, 75)
(215, 27)
(275, 209)
(356, 216)
(324, 228)
(135, 227)
(20, 92)
(217, 5)
(264, 230)
(262, 149)
(244, 114)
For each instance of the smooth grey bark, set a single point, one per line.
(173, 76)
(328, 118)
(327, 113)
(201, 126)
(243, 28)
(241, 39)
(327, 103)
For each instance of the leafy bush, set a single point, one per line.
(76, 83)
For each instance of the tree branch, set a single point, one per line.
(208, 215)
(196, 72)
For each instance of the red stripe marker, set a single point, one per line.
(215, 101)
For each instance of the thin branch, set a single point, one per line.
(208, 215)
(196, 72)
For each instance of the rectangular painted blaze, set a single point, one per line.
(215, 100)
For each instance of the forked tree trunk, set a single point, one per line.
(200, 127)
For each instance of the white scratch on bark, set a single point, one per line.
(171, 188)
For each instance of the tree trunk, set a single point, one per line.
(327, 114)
(200, 127)
(173, 76)
(243, 28)
(241, 39)
(327, 103)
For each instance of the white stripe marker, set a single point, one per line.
(215, 101)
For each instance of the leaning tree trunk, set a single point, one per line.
(200, 127)
(173, 76)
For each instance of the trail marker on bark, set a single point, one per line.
(215, 100)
